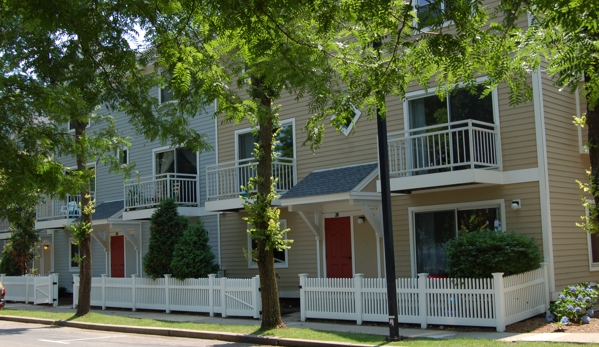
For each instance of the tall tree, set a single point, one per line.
(61, 61)
(567, 34)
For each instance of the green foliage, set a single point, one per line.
(481, 253)
(165, 232)
(8, 264)
(19, 251)
(193, 257)
(573, 303)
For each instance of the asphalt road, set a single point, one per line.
(23, 334)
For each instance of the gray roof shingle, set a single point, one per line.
(108, 209)
(332, 181)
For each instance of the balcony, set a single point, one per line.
(224, 181)
(55, 213)
(463, 152)
(143, 196)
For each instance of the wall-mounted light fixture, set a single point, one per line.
(46, 247)
(360, 220)
(516, 204)
(336, 214)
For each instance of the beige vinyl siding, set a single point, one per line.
(364, 244)
(565, 166)
(301, 255)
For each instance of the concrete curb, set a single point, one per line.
(196, 334)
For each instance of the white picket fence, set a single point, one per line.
(494, 302)
(227, 296)
(31, 289)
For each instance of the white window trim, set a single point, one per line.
(280, 265)
(347, 129)
(89, 124)
(430, 92)
(118, 155)
(72, 268)
(415, 20)
(170, 148)
(459, 206)
(592, 266)
(248, 130)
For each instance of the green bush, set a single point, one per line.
(193, 257)
(166, 230)
(479, 254)
(573, 304)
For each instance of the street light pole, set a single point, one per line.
(381, 123)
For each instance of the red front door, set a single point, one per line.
(117, 256)
(338, 247)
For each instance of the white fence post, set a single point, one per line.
(422, 293)
(167, 279)
(75, 289)
(211, 293)
(223, 297)
(499, 301)
(34, 290)
(55, 289)
(104, 291)
(358, 278)
(27, 289)
(303, 296)
(546, 285)
(133, 291)
(256, 295)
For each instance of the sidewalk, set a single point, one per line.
(293, 321)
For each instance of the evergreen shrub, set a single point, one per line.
(481, 253)
(193, 257)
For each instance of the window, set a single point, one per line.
(73, 251)
(166, 95)
(283, 168)
(448, 146)
(123, 156)
(593, 243)
(280, 256)
(346, 130)
(71, 125)
(434, 227)
(175, 172)
(427, 12)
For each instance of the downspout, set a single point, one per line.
(541, 142)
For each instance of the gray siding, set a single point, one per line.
(211, 225)
(98, 259)
(62, 260)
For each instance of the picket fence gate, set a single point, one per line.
(489, 302)
(227, 296)
(31, 289)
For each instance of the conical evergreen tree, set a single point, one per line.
(166, 230)
(193, 256)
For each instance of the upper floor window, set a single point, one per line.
(285, 147)
(460, 105)
(71, 125)
(346, 130)
(166, 94)
(123, 155)
(427, 12)
(175, 161)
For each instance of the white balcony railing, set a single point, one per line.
(224, 180)
(150, 191)
(467, 144)
(52, 209)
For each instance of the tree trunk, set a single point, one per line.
(269, 291)
(85, 267)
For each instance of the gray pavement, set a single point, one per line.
(292, 321)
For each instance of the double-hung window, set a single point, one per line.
(73, 252)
